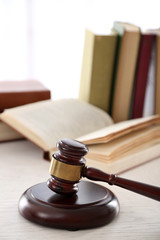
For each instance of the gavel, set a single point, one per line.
(68, 166)
(64, 201)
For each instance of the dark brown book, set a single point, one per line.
(157, 73)
(17, 93)
(141, 76)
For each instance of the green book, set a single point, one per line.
(97, 68)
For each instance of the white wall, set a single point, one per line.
(43, 39)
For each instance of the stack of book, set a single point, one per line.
(17, 93)
(120, 71)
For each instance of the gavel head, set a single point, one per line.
(66, 166)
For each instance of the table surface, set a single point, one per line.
(22, 166)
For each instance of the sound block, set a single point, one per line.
(93, 206)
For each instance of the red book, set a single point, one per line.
(143, 63)
(16, 93)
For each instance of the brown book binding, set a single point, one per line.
(17, 93)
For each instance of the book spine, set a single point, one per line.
(141, 74)
(125, 72)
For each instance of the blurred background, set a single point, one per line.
(44, 39)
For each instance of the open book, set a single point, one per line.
(46, 122)
(127, 151)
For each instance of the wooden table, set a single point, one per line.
(22, 165)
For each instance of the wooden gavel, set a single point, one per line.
(68, 166)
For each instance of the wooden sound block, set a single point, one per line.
(93, 206)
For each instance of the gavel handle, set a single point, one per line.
(137, 187)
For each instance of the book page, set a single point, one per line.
(119, 129)
(134, 158)
(47, 122)
(120, 146)
(7, 133)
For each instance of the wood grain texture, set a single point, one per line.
(21, 166)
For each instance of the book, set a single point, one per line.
(16, 93)
(97, 68)
(45, 123)
(125, 69)
(118, 130)
(142, 69)
(132, 159)
(111, 150)
(157, 73)
(8, 134)
(125, 145)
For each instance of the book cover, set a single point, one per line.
(97, 68)
(141, 75)
(17, 93)
(125, 69)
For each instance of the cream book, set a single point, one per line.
(124, 145)
(8, 134)
(45, 123)
(125, 162)
(129, 35)
(120, 129)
